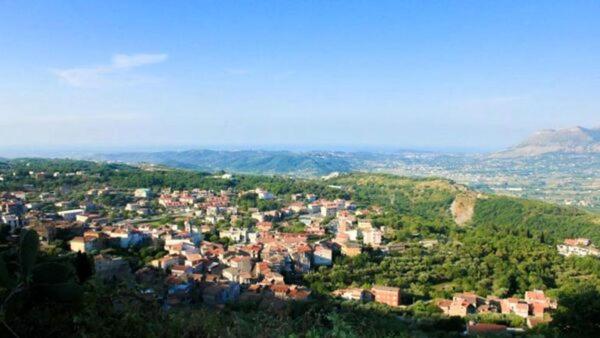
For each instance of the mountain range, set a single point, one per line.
(576, 140)
(571, 141)
(554, 165)
(243, 161)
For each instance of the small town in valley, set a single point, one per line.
(228, 246)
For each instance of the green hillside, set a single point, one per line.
(537, 218)
(507, 248)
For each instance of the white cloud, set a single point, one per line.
(115, 72)
(130, 61)
(237, 71)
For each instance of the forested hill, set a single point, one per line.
(520, 176)
(267, 162)
(508, 245)
(430, 201)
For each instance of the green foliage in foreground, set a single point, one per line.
(24, 281)
(47, 299)
(43, 294)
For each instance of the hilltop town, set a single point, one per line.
(202, 238)
(230, 239)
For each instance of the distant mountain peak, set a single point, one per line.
(568, 140)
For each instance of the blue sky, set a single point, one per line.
(291, 74)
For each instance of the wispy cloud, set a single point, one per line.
(237, 71)
(124, 61)
(118, 71)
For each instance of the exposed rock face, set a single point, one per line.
(571, 140)
(463, 207)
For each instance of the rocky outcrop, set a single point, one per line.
(463, 207)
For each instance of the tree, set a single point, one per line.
(578, 313)
(83, 267)
(4, 232)
(28, 282)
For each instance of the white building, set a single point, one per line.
(70, 215)
(572, 250)
(328, 210)
(323, 255)
(142, 193)
(235, 234)
(372, 237)
(352, 234)
(12, 221)
(264, 195)
(125, 237)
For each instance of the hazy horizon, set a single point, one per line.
(79, 152)
(274, 74)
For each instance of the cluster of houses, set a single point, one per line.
(262, 259)
(534, 307)
(379, 293)
(578, 247)
(12, 209)
(258, 260)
